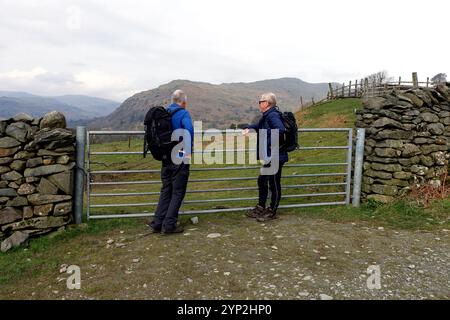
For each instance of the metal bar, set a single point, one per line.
(142, 215)
(144, 204)
(79, 175)
(349, 166)
(313, 185)
(218, 179)
(359, 157)
(88, 176)
(219, 169)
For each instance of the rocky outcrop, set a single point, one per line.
(407, 141)
(36, 170)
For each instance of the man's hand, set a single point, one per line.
(245, 132)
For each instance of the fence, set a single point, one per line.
(144, 189)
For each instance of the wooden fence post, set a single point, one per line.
(312, 99)
(415, 80)
(301, 102)
(428, 81)
(330, 87)
(356, 88)
(343, 86)
(349, 88)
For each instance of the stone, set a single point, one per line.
(6, 160)
(421, 140)
(23, 117)
(18, 130)
(11, 176)
(386, 167)
(18, 165)
(31, 179)
(17, 202)
(426, 161)
(436, 128)
(382, 160)
(394, 134)
(4, 200)
(3, 125)
(393, 182)
(419, 170)
(27, 212)
(389, 143)
(15, 240)
(410, 150)
(416, 101)
(441, 141)
(46, 187)
(387, 152)
(40, 199)
(65, 159)
(4, 152)
(374, 103)
(446, 121)
(387, 122)
(378, 174)
(43, 210)
(62, 209)
(408, 162)
(8, 142)
(59, 134)
(24, 155)
(26, 189)
(46, 170)
(429, 148)
(213, 235)
(48, 161)
(3, 184)
(13, 185)
(429, 117)
(34, 162)
(4, 170)
(68, 149)
(43, 152)
(323, 296)
(385, 189)
(64, 181)
(402, 175)
(380, 198)
(39, 223)
(8, 192)
(439, 158)
(9, 214)
(53, 120)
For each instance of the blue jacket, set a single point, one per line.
(182, 120)
(271, 119)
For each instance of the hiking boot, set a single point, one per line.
(177, 229)
(255, 212)
(269, 214)
(153, 229)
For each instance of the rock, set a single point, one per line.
(323, 296)
(3, 125)
(23, 117)
(4, 152)
(65, 159)
(39, 223)
(387, 122)
(11, 176)
(429, 148)
(60, 134)
(39, 199)
(378, 174)
(387, 152)
(8, 142)
(374, 103)
(402, 175)
(3, 200)
(6, 160)
(31, 179)
(13, 185)
(194, 220)
(436, 128)
(439, 158)
(32, 163)
(62, 209)
(46, 187)
(426, 161)
(48, 161)
(394, 134)
(410, 150)
(53, 120)
(386, 167)
(389, 143)
(43, 152)
(18, 165)
(429, 117)
(419, 170)
(382, 160)
(421, 140)
(410, 161)
(15, 240)
(416, 101)
(8, 215)
(27, 212)
(384, 189)
(4, 170)
(18, 130)
(3, 184)
(213, 235)
(46, 170)
(43, 210)
(17, 202)
(380, 198)
(64, 181)
(24, 155)
(26, 189)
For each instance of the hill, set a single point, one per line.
(73, 107)
(218, 106)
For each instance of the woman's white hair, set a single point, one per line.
(270, 97)
(178, 96)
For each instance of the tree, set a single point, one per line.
(439, 78)
(379, 77)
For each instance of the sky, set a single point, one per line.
(113, 49)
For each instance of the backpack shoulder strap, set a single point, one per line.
(175, 111)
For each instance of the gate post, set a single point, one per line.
(348, 179)
(359, 158)
(79, 175)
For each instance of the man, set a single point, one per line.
(174, 170)
(271, 119)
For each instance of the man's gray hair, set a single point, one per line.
(178, 96)
(270, 97)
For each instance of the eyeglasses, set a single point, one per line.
(261, 101)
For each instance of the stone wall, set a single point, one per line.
(407, 141)
(36, 170)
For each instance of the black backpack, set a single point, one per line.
(290, 142)
(158, 132)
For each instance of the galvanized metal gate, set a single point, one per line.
(84, 143)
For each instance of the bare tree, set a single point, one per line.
(379, 77)
(439, 78)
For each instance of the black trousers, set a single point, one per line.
(274, 182)
(174, 182)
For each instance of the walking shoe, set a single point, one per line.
(177, 229)
(152, 228)
(255, 212)
(269, 214)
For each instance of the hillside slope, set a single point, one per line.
(218, 106)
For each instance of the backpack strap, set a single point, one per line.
(174, 111)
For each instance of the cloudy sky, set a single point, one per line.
(113, 48)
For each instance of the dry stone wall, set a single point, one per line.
(36, 174)
(407, 141)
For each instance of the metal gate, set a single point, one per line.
(104, 185)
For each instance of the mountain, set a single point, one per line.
(218, 106)
(75, 108)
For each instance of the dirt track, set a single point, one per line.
(289, 258)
